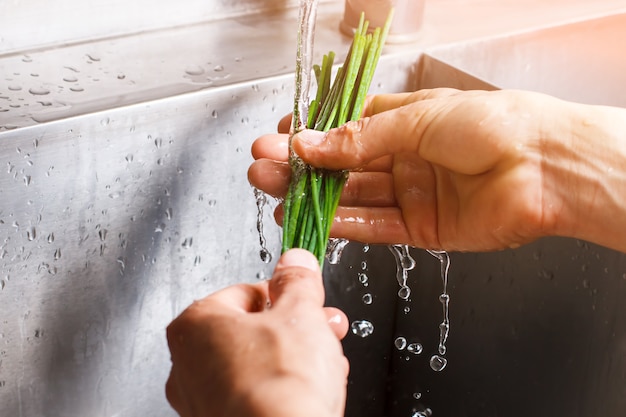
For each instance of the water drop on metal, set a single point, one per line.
(39, 91)
(261, 201)
(194, 70)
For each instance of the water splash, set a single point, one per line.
(261, 202)
(404, 263)
(334, 249)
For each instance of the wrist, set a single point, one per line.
(584, 170)
(287, 397)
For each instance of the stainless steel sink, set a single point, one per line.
(112, 221)
(579, 61)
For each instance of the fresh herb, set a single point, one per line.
(313, 195)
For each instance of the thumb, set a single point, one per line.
(357, 143)
(297, 278)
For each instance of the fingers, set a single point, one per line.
(242, 298)
(270, 176)
(272, 146)
(382, 102)
(357, 143)
(297, 280)
(372, 189)
(285, 123)
(371, 225)
(443, 128)
(337, 320)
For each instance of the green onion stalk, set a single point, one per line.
(314, 193)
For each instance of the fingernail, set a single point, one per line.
(311, 137)
(300, 258)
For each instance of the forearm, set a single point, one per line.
(585, 167)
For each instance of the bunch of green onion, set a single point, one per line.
(314, 193)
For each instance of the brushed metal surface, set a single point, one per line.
(110, 224)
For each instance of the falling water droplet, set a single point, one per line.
(404, 293)
(51, 238)
(31, 234)
(168, 213)
(362, 328)
(102, 233)
(404, 263)
(197, 260)
(438, 363)
(425, 413)
(57, 254)
(27, 180)
(214, 114)
(400, 343)
(444, 299)
(261, 202)
(334, 250)
(265, 255)
(122, 262)
(187, 243)
(415, 348)
(367, 299)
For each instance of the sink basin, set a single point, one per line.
(579, 61)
